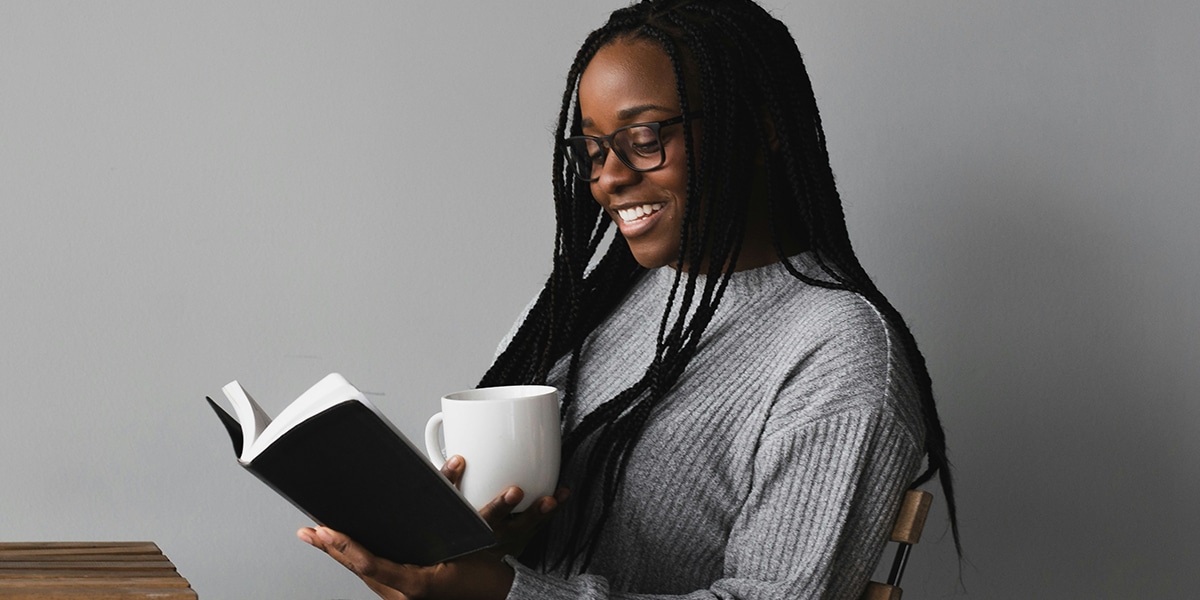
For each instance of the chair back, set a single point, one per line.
(906, 532)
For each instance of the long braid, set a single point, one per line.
(754, 94)
(621, 419)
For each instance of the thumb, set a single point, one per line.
(348, 552)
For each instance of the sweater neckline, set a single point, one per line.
(751, 282)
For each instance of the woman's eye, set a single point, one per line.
(646, 148)
(643, 140)
(590, 151)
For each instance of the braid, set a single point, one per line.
(744, 68)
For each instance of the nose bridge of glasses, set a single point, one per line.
(602, 164)
(604, 144)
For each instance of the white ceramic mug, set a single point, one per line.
(509, 435)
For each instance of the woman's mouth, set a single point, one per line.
(634, 214)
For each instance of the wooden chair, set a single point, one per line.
(906, 532)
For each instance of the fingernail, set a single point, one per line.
(454, 462)
(512, 495)
(324, 535)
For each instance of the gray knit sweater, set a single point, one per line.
(775, 467)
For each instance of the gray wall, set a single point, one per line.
(196, 192)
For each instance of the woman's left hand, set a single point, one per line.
(480, 575)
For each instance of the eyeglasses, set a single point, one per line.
(639, 146)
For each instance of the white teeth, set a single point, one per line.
(640, 211)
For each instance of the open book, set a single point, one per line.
(339, 460)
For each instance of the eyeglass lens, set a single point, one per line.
(638, 146)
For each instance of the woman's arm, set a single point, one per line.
(824, 494)
(813, 526)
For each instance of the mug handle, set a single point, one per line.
(432, 444)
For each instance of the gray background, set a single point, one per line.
(196, 192)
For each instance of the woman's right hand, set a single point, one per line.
(513, 530)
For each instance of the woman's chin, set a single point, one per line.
(653, 258)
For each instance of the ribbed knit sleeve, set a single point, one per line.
(815, 523)
(776, 468)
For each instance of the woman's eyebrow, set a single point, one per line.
(633, 111)
(628, 113)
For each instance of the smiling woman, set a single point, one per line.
(742, 408)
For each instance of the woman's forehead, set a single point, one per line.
(626, 77)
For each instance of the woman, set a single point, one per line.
(743, 409)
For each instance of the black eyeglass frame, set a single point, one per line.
(606, 143)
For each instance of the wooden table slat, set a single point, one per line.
(92, 556)
(47, 573)
(94, 570)
(120, 565)
(143, 546)
(95, 582)
(93, 594)
(109, 551)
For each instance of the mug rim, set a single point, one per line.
(511, 393)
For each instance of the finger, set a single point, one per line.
(544, 506)
(501, 506)
(384, 577)
(453, 469)
(542, 509)
(547, 504)
(348, 552)
(308, 536)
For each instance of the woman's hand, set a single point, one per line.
(513, 532)
(480, 575)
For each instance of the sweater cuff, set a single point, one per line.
(531, 585)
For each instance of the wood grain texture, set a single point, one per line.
(911, 519)
(94, 570)
(881, 591)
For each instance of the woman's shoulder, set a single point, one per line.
(840, 354)
(838, 334)
(804, 311)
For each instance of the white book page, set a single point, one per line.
(330, 391)
(254, 421)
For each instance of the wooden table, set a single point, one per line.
(96, 570)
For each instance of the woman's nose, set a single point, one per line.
(615, 174)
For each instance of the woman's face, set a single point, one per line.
(631, 82)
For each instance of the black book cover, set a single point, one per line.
(348, 470)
